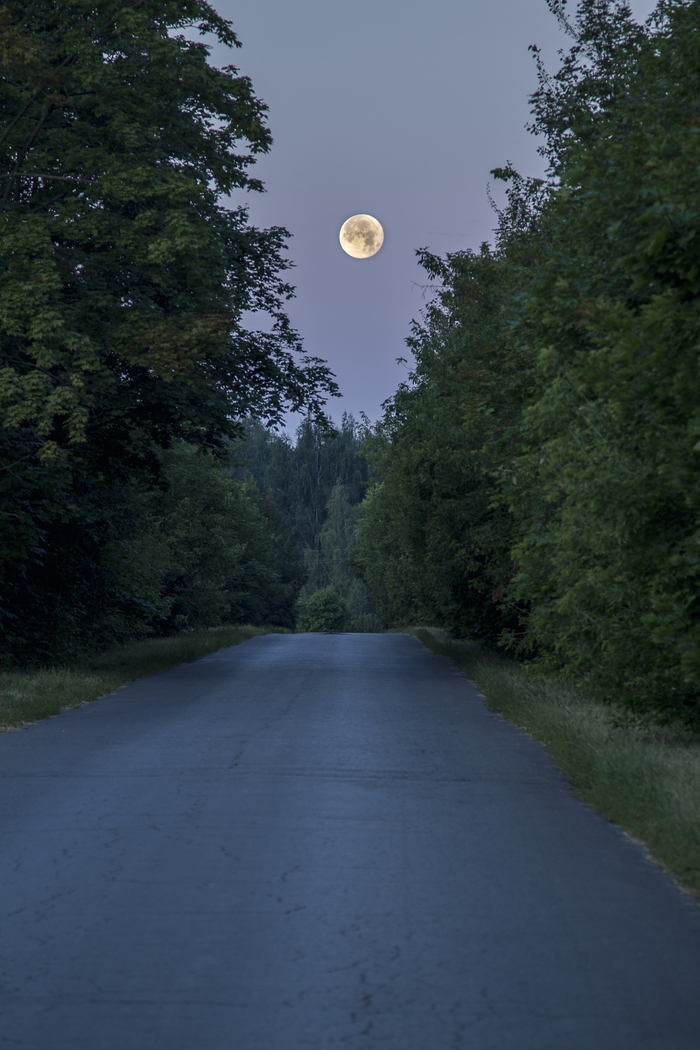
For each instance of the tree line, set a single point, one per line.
(532, 485)
(537, 478)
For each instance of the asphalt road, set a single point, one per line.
(310, 842)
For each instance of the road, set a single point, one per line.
(310, 842)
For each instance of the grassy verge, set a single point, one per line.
(26, 696)
(644, 778)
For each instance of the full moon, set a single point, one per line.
(361, 236)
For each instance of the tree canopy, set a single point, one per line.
(123, 275)
(538, 477)
(127, 267)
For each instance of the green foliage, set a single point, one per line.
(608, 553)
(229, 561)
(91, 574)
(198, 550)
(325, 611)
(318, 484)
(124, 280)
(301, 476)
(330, 562)
(538, 481)
(434, 534)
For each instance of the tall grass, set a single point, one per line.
(643, 777)
(26, 696)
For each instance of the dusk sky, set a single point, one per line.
(394, 108)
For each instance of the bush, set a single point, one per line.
(324, 611)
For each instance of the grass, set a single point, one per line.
(26, 696)
(644, 778)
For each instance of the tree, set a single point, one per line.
(608, 546)
(435, 533)
(550, 431)
(325, 611)
(229, 560)
(317, 484)
(330, 562)
(123, 279)
(301, 476)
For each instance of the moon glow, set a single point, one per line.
(361, 236)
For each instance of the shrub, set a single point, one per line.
(325, 611)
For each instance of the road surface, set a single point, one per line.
(311, 842)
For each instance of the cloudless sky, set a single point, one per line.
(397, 108)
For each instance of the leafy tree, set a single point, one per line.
(270, 581)
(199, 550)
(325, 611)
(435, 534)
(93, 575)
(123, 282)
(228, 559)
(552, 443)
(608, 550)
(123, 277)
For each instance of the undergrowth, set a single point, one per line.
(644, 777)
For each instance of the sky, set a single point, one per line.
(399, 109)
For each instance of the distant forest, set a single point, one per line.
(533, 485)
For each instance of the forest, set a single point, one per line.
(537, 481)
(533, 485)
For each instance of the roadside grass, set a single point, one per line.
(645, 778)
(26, 696)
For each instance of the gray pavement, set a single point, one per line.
(310, 842)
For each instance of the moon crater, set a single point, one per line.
(361, 236)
